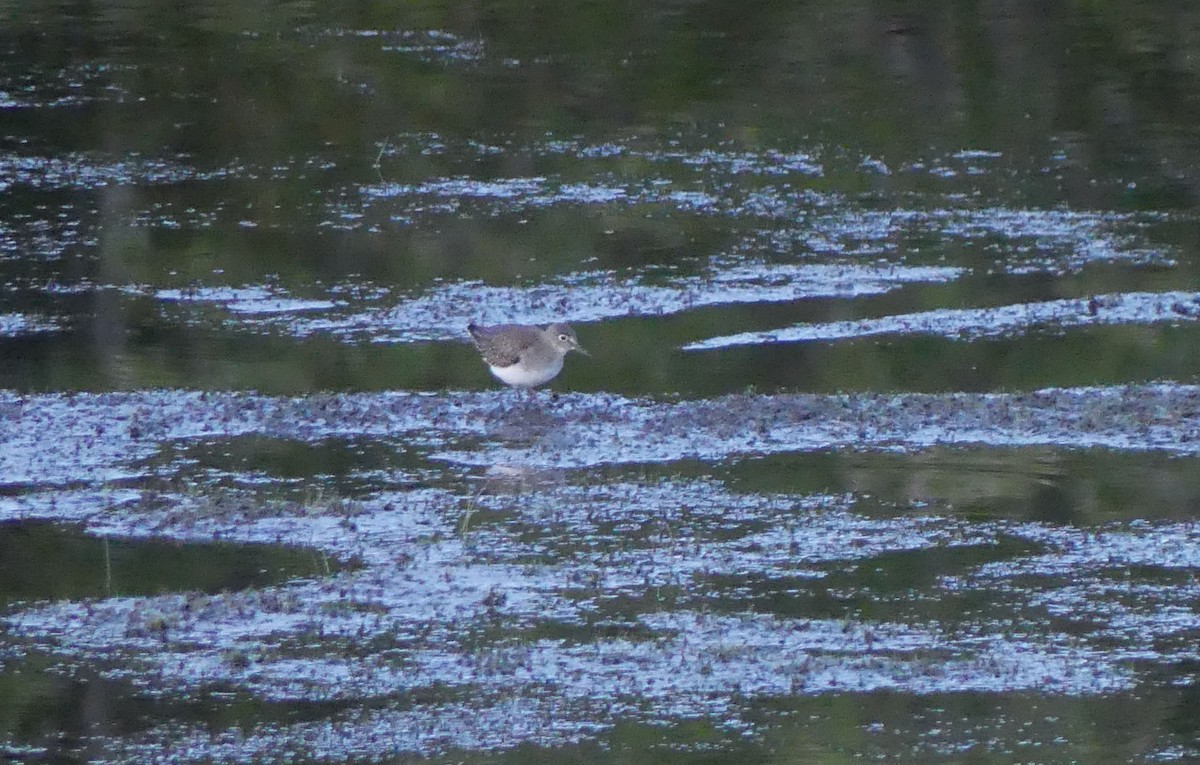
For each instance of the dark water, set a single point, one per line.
(886, 448)
(41, 561)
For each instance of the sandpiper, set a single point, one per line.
(524, 355)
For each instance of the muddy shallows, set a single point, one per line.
(886, 451)
(581, 572)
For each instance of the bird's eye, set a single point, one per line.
(563, 338)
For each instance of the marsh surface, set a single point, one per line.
(887, 448)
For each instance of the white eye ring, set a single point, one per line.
(563, 338)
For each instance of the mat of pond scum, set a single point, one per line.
(760, 199)
(534, 603)
(748, 274)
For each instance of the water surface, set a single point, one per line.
(886, 448)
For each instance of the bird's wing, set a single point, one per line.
(501, 346)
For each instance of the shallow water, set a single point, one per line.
(886, 448)
(51, 561)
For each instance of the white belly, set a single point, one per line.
(520, 376)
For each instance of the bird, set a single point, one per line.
(525, 355)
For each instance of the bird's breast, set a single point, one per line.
(522, 376)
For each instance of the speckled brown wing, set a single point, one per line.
(502, 344)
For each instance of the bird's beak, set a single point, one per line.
(581, 349)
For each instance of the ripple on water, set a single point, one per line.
(974, 323)
(443, 312)
(19, 324)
